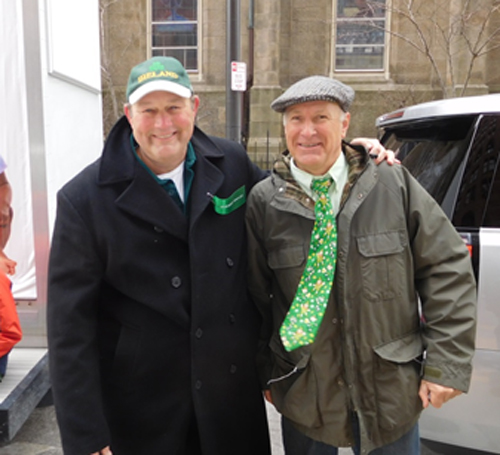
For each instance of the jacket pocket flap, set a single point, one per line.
(291, 256)
(298, 358)
(401, 350)
(381, 244)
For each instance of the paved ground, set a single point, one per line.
(40, 436)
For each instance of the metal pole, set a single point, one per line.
(233, 53)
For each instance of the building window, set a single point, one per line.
(360, 35)
(174, 26)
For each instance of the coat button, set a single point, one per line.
(229, 262)
(176, 282)
(199, 333)
(360, 195)
(334, 320)
(158, 229)
(232, 318)
(197, 385)
(233, 369)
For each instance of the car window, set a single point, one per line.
(492, 215)
(478, 198)
(432, 151)
(457, 161)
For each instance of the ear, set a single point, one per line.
(196, 104)
(127, 109)
(345, 124)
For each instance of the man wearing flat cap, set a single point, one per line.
(152, 336)
(340, 254)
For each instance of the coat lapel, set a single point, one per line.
(208, 178)
(141, 196)
(146, 199)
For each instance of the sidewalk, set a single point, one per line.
(40, 436)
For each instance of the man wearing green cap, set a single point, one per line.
(151, 334)
(340, 251)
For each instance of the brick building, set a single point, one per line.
(391, 55)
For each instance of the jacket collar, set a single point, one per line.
(118, 162)
(141, 195)
(357, 158)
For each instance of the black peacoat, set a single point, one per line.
(149, 323)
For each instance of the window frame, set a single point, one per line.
(198, 22)
(384, 71)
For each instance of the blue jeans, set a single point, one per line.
(298, 444)
(3, 365)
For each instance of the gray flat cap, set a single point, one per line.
(315, 88)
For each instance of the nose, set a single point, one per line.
(308, 128)
(163, 120)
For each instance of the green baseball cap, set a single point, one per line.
(158, 73)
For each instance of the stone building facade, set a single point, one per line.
(390, 55)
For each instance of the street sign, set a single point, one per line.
(238, 76)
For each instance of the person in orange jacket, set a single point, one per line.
(10, 328)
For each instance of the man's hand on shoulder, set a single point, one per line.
(105, 451)
(268, 396)
(376, 150)
(436, 394)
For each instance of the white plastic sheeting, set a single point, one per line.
(14, 147)
(64, 66)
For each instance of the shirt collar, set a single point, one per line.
(336, 172)
(188, 161)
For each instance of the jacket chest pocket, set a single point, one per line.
(382, 264)
(288, 264)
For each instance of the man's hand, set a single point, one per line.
(105, 451)
(436, 394)
(267, 396)
(376, 149)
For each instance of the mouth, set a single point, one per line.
(309, 145)
(164, 137)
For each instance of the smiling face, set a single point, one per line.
(314, 133)
(162, 124)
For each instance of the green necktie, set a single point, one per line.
(304, 317)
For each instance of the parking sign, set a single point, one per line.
(238, 76)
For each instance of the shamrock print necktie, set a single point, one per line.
(306, 312)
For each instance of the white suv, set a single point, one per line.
(452, 147)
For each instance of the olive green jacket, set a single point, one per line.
(395, 245)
